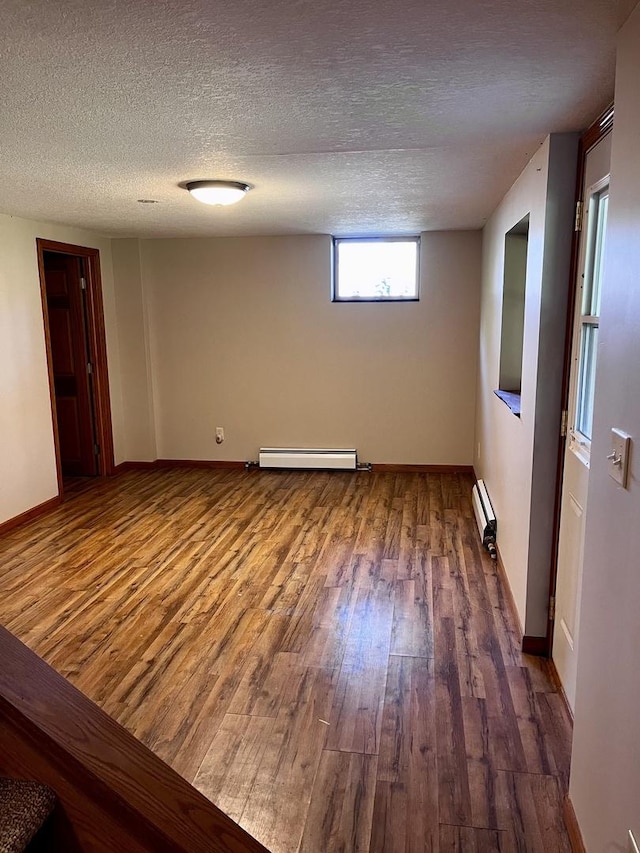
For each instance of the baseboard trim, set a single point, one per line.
(123, 467)
(198, 463)
(573, 827)
(158, 464)
(30, 514)
(530, 645)
(505, 582)
(555, 677)
(535, 646)
(384, 467)
(381, 467)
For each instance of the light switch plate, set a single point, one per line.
(619, 458)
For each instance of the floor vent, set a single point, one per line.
(308, 458)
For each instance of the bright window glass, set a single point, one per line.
(376, 269)
(587, 380)
(598, 210)
(590, 315)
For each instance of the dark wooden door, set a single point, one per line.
(71, 363)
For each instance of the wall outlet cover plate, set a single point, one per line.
(619, 459)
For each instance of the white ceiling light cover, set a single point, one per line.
(218, 192)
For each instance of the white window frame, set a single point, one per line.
(411, 238)
(580, 443)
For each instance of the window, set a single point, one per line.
(588, 319)
(373, 269)
(514, 289)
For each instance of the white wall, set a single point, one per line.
(244, 335)
(27, 457)
(605, 773)
(515, 455)
(504, 447)
(135, 359)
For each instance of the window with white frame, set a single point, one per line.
(370, 269)
(588, 319)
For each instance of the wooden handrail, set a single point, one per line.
(114, 793)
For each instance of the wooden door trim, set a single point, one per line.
(573, 827)
(97, 354)
(589, 139)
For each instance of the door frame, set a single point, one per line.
(97, 351)
(589, 139)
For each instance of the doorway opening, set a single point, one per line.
(73, 314)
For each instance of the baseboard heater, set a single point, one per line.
(485, 517)
(308, 458)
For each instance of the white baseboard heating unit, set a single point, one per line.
(309, 458)
(485, 517)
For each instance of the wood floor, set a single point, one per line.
(329, 657)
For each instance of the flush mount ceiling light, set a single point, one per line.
(218, 192)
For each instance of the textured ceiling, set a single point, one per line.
(347, 116)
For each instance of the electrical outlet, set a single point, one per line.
(219, 435)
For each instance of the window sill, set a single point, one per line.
(511, 399)
(375, 299)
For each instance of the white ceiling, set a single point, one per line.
(347, 116)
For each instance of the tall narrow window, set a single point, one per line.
(373, 269)
(589, 317)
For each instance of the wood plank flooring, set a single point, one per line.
(329, 657)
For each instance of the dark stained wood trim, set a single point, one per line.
(573, 827)
(555, 677)
(198, 463)
(597, 131)
(123, 467)
(156, 464)
(98, 345)
(47, 343)
(421, 469)
(534, 646)
(115, 793)
(380, 467)
(530, 645)
(30, 514)
(507, 586)
(97, 348)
